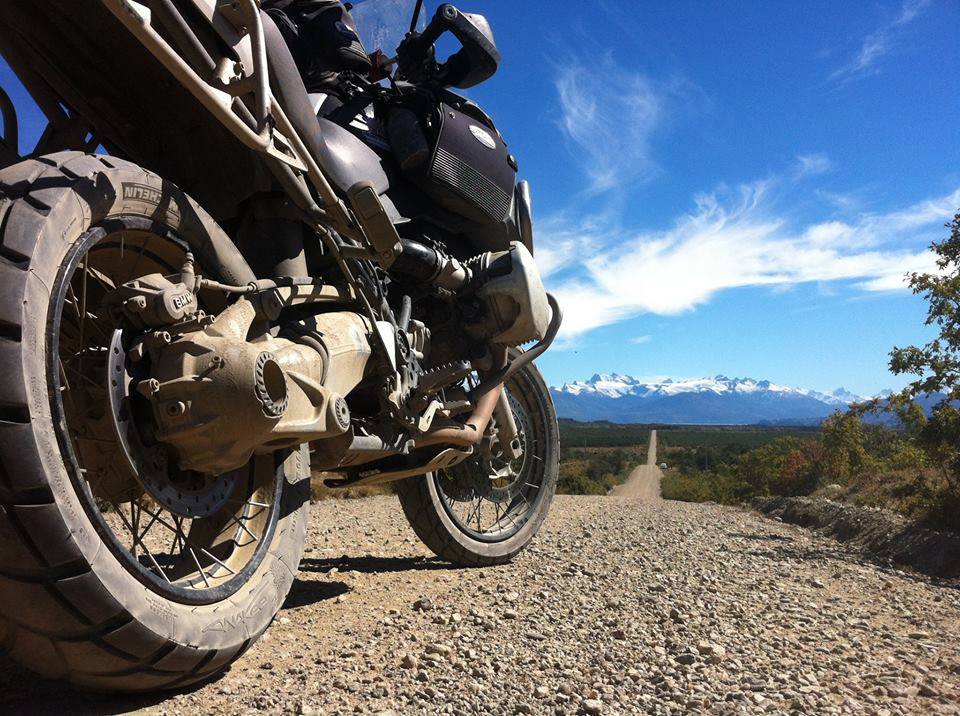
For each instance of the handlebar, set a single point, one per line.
(475, 62)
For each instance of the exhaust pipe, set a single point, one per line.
(470, 432)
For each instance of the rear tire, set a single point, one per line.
(69, 607)
(431, 512)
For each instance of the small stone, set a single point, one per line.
(928, 691)
(523, 709)
(817, 584)
(424, 604)
(619, 634)
(283, 620)
(592, 706)
(267, 666)
(919, 635)
(686, 659)
(409, 661)
(714, 653)
(439, 649)
(541, 692)
(510, 614)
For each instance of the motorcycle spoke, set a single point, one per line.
(85, 378)
(83, 303)
(150, 524)
(243, 527)
(134, 527)
(136, 262)
(184, 541)
(148, 553)
(196, 561)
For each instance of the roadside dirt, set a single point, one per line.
(879, 533)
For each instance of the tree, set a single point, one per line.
(844, 454)
(762, 467)
(936, 365)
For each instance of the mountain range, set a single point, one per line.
(701, 401)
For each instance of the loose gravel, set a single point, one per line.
(620, 606)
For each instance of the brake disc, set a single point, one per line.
(490, 476)
(188, 494)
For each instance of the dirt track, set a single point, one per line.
(621, 606)
(644, 481)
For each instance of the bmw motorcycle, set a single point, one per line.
(214, 284)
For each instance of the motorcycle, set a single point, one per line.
(214, 284)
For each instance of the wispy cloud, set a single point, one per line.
(877, 44)
(640, 340)
(811, 165)
(734, 238)
(610, 115)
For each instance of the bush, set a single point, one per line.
(702, 487)
(595, 471)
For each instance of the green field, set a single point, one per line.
(604, 434)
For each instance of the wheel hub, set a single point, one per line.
(188, 494)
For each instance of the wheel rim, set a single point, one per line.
(489, 498)
(189, 559)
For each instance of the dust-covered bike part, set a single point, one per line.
(189, 537)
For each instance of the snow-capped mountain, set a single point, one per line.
(718, 400)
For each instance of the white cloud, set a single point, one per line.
(640, 340)
(734, 239)
(877, 44)
(811, 165)
(562, 241)
(610, 114)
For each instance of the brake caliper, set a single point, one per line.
(157, 301)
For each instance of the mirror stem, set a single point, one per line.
(416, 16)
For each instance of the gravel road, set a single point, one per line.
(644, 482)
(621, 606)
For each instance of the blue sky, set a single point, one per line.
(733, 188)
(730, 188)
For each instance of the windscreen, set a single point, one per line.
(384, 23)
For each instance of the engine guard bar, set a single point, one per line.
(284, 146)
(495, 379)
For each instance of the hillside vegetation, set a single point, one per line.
(864, 464)
(595, 471)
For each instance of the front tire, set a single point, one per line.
(441, 507)
(71, 606)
